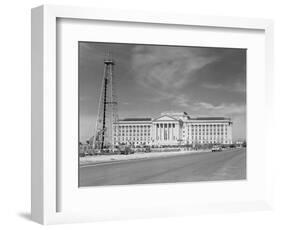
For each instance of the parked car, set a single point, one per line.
(125, 150)
(216, 148)
(147, 149)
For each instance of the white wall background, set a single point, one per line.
(15, 113)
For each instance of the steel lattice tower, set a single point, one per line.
(107, 120)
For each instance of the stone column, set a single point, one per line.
(165, 131)
(169, 131)
(158, 131)
(177, 131)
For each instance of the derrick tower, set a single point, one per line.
(107, 119)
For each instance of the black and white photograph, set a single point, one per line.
(161, 114)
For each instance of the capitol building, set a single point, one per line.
(173, 128)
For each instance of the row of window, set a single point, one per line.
(168, 136)
(132, 139)
(210, 138)
(137, 134)
(206, 125)
(132, 131)
(190, 132)
(138, 142)
(134, 143)
(204, 135)
(210, 142)
(207, 129)
(207, 133)
(134, 126)
(166, 125)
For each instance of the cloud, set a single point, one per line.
(210, 106)
(221, 109)
(167, 69)
(237, 87)
(181, 101)
(212, 86)
(205, 108)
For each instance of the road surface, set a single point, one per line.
(205, 166)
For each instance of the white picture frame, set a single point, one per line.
(45, 181)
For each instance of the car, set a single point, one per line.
(147, 149)
(125, 150)
(216, 148)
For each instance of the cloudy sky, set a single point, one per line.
(152, 79)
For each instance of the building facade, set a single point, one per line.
(134, 131)
(171, 129)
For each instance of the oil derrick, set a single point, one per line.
(107, 120)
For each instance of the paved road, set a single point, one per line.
(210, 166)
